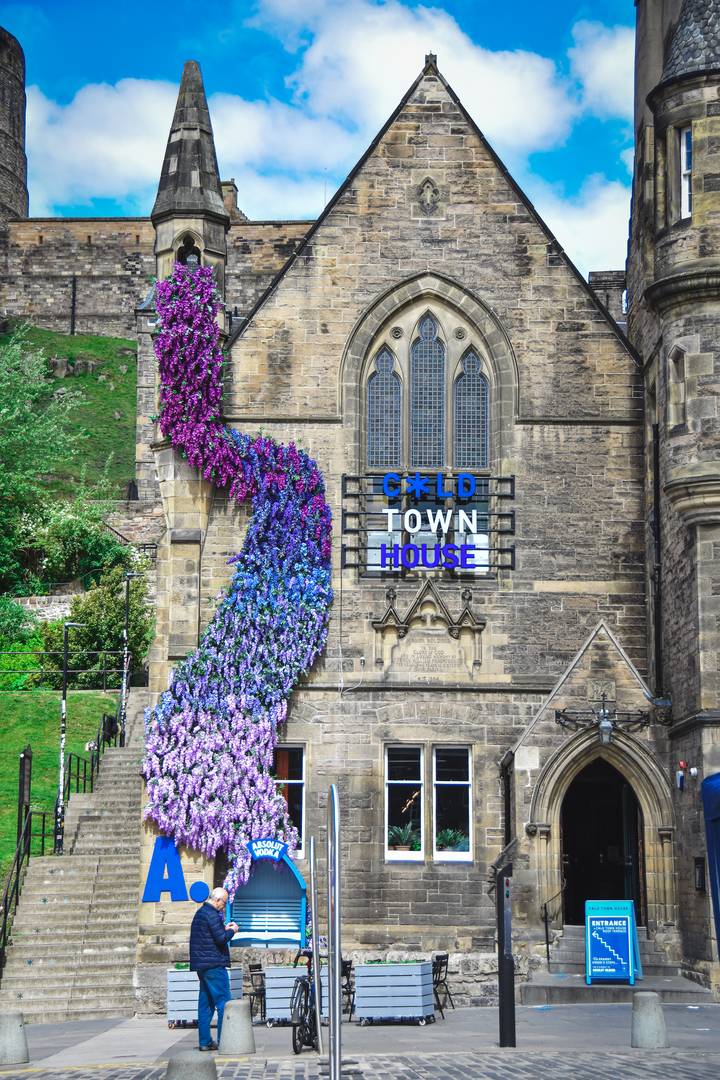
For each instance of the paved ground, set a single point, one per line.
(567, 1042)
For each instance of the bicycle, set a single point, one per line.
(302, 1008)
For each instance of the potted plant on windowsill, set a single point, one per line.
(452, 840)
(401, 837)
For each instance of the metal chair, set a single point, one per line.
(439, 978)
(346, 986)
(257, 990)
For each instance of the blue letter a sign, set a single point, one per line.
(165, 873)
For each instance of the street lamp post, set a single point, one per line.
(126, 658)
(60, 803)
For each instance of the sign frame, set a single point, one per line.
(618, 919)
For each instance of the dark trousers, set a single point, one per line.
(214, 996)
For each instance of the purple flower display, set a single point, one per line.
(209, 742)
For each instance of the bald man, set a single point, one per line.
(210, 957)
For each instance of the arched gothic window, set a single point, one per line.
(471, 450)
(384, 413)
(427, 397)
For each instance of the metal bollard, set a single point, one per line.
(648, 1022)
(237, 1032)
(13, 1042)
(191, 1065)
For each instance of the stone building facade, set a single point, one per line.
(429, 321)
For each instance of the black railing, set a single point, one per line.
(37, 825)
(547, 917)
(81, 772)
(105, 674)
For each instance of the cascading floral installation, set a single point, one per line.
(209, 742)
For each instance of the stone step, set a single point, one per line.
(31, 954)
(568, 989)
(72, 918)
(65, 936)
(62, 1014)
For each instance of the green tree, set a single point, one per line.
(101, 611)
(36, 434)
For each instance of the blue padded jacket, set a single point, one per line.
(209, 940)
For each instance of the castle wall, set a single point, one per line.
(113, 263)
(13, 163)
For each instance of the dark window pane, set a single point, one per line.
(288, 764)
(403, 820)
(452, 817)
(294, 797)
(452, 765)
(471, 416)
(403, 763)
(384, 420)
(427, 397)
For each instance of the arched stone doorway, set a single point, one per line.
(637, 766)
(603, 856)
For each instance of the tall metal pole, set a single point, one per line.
(60, 802)
(315, 942)
(334, 944)
(506, 963)
(126, 660)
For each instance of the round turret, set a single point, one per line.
(13, 163)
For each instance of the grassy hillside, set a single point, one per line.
(34, 717)
(109, 392)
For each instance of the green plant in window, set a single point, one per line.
(452, 840)
(401, 837)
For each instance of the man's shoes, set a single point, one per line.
(210, 1046)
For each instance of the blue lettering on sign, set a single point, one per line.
(165, 873)
(267, 848)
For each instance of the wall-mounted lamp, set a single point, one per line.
(607, 720)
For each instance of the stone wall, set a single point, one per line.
(112, 261)
(47, 608)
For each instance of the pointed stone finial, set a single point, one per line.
(431, 60)
(190, 179)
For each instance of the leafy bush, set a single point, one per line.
(101, 613)
(16, 624)
(20, 663)
(36, 434)
(71, 540)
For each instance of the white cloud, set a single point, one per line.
(592, 226)
(603, 61)
(355, 60)
(108, 142)
(363, 56)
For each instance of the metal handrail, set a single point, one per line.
(546, 917)
(13, 883)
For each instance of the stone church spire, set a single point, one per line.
(695, 42)
(190, 178)
(190, 218)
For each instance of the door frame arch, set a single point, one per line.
(636, 764)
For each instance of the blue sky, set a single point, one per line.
(298, 88)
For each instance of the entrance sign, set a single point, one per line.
(611, 942)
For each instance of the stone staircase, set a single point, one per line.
(564, 981)
(75, 932)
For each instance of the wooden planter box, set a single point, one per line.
(279, 982)
(394, 991)
(183, 988)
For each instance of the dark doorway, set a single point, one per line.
(602, 849)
